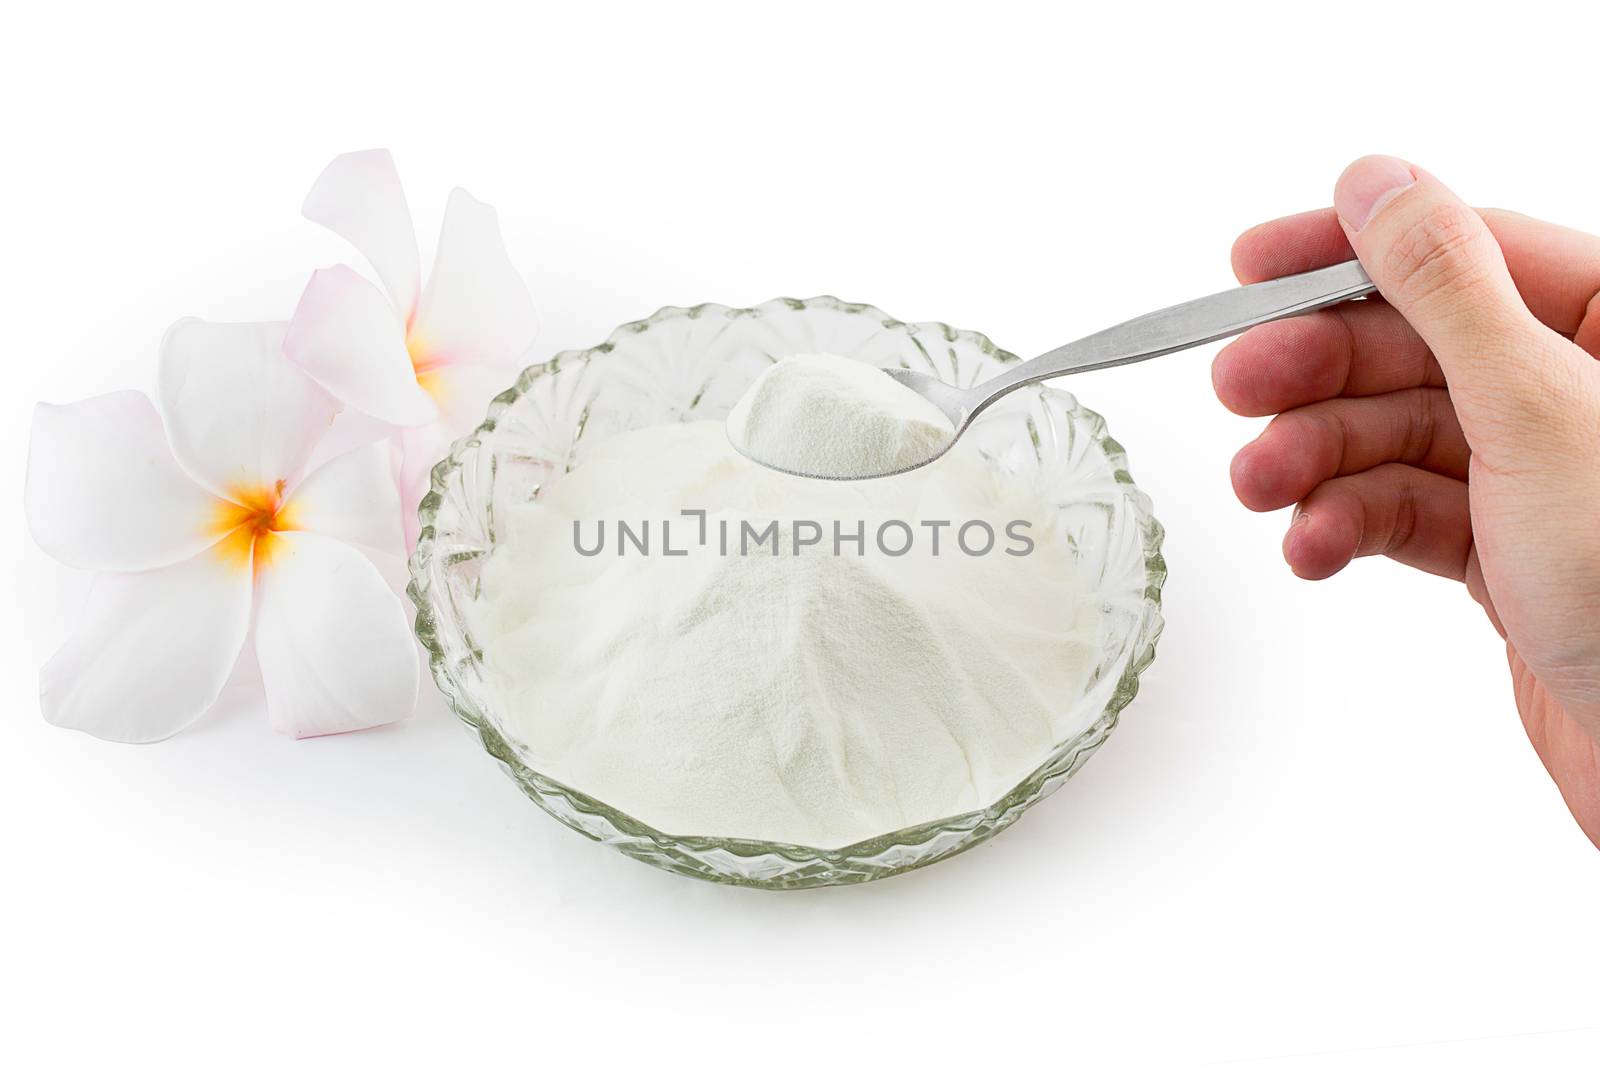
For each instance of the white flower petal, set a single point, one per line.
(104, 492)
(346, 336)
(336, 653)
(392, 568)
(351, 429)
(360, 198)
(462, 392)
(475, 307)
(152, 650)
(352, 498)
(240, 416)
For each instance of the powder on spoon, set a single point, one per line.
(805, 689)
(832, 417)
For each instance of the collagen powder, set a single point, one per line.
(828, 416)
(719, 649)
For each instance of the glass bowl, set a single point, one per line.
(692, 363)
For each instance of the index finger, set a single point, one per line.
(1556, 270)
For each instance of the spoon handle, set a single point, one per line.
(1188, 325)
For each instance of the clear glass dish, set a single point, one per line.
(686, 364)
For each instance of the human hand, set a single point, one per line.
(1453, 426)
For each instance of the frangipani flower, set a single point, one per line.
(425, 358)
(208, 530)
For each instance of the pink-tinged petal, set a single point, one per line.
(104, 492)
(414, 455)
(240, 416)
(475, 307)
(335, 651)
(463, 392)
(352, 498)
(360, 198)
(152, 650)
(346, 336)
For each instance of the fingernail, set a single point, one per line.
(1368, 184)
(1300, 515)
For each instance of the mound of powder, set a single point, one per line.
(783, 691)
(828, 416)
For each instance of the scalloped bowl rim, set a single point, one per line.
(1062, 762)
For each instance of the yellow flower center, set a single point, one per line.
(248, 521)
(425, 364)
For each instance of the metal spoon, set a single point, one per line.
(1185, 325)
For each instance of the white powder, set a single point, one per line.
(828, 416)
(807, 698)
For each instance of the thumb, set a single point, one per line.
(1433, 259)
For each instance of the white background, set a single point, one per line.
(1319, 831)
